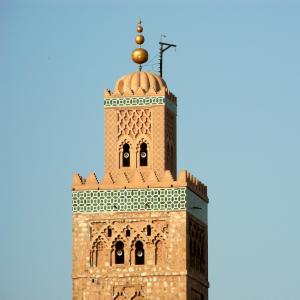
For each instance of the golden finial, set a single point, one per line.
(139, 55)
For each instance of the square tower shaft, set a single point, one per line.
(141, 231)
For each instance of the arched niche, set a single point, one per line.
(139, 253)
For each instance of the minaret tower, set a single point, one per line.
(141, 231)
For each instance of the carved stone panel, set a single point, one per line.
(134, 122)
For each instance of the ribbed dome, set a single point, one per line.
(132, 82)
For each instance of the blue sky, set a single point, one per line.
(236, 73)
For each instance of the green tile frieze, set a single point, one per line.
(139, 101)
(132, 200)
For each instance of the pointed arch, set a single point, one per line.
(119, 253)
(139, 253)
(133, 250)
(97, 252)
(158, 237)
(98, 238)
(125, 153)
(118, 248)
(149, 230)
(136, 238)
(143, 155)
(160, 252)
(130, 233)
(143, 152)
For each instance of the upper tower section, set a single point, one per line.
(140, 123)
(140, 138)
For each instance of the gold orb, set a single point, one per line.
(139, 55)
(139, 29)
(139, 39)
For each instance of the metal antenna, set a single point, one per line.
(163, 47)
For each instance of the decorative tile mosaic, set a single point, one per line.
(157, 199)
(139, 101)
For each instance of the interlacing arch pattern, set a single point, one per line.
(98, 246)
(133, 122)
(103, 246)
(138, 237)
(99, 239)
(157, 237)
(160, 249)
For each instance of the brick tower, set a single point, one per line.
(140, 232)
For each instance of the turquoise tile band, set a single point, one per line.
(139, 101)
(130, 200)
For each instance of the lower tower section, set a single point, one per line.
(148, 242)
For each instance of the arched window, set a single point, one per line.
(109, 232)
(143, 155)
(126, 155)
(139, 253)
(148, 230)
(119, 253)
(128, 232)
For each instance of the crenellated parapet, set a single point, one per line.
(140, 180)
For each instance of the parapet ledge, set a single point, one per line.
(108, 94)
(137, 179)
(193, 183)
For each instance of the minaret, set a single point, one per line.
(140, 232)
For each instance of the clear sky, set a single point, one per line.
(236, 73)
